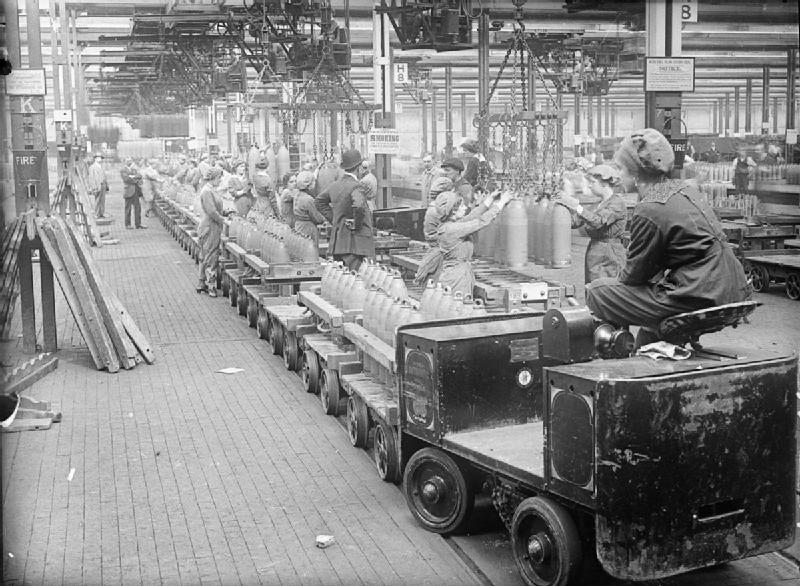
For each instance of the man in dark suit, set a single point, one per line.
(344, 205)
(132, 191)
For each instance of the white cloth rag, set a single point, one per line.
(664, 351)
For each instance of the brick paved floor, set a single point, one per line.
(186, 476)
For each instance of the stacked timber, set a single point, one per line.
(110, 333)
(12, 238)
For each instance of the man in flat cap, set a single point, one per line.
(98, 185)
(344, 203)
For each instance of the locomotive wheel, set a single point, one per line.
(252, 312)
(330, 391)
(262, 325)
(387, 460)
(290, 351)
(793, 286)
(233, 294)
(437, 492)
(276, 338)
(310, 371)
(546, 544)
(357, 422)
(759, 279)
(243, 302)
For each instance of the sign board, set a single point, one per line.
(30, 180)
(26, 82)
(401, 72)
(384, 141)
(398, 108)
(669, 74)
(688, 10)
(62, 115)
(679, 148)
(791, 136)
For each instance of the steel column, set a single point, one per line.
(791, 81)
(589, 116)
(464, 115)
(736, 109)
(775, 115)
(483, 76)
(448, 106)
(600, 116)
(434, 140)
(748, 101)
(765, 100)
(424, 106)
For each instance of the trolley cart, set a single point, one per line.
(385, 243)
(499, 287)
(658, 467)
(749, 236)
(286, 324)
(781, 266)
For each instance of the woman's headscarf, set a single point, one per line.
(304, 180)
(606, 174)
(212, 173)
(646, 152)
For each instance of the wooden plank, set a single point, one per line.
(371, 344)
(326, 311)
(132, 330)
(111, 317)
(27, 299)
(62, 276)
(30, 372)
(86, 297)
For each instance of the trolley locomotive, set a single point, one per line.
(659, 466)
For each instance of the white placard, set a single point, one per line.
(401, 72)
(669, 74)
(26, 82)
(688, 10)
(384, 141)
(398, 108)
(791, 136)
(62, 115)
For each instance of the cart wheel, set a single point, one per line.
(329, 391)
(234, 293)
(387, 460)
(546, 544)
(437, 492)
(310, 371)
(262, 325)
(252, 312)
(759, 279)
(225, 285)
(357, 422)
(276, 338)
(220, 274)
(243, 302)
(290, 351)
(793, 286)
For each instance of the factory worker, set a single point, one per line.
(429, 173)
(306, 216)
(453, 169)
(98, 186)
(370, 182)
(605, 254)
(431, 222)
(266, 200)
(678, 257)
(743, 167)
(472, 160)
(151, 181)
(209, 230)
(240, 190)
(449, 261)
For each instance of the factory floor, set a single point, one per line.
(175, 473)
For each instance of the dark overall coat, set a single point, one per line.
(344, 205)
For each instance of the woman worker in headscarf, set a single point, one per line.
(678, 257)
(240, 190)
(210, 230)
(430, 223)
(306, 215)
(449, 261)
(605, 255)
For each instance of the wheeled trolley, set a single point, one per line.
(780, 266)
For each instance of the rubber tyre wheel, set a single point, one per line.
(385, 454)
(556, 560)
(290, 351)
(357, 421)
(276, 339)
(252, 312)
(310, 369)
(330, 391)
(759, 279)
(234, 294)
(793, 286)
(262, 325)
(437, 492)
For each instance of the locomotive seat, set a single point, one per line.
(688, 327)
